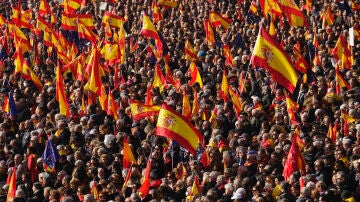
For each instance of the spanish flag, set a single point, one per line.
(294, 15)
(111, 53)
(332, 133)
(148, 99)
(172, 125)
(76, 67)
(21, 18)
(148, 30)
(340, 82)
(294, 161)
(113, 20)
(94, 83)
(169, 77)
(224, 87)
(157, 15)
(12, 186)
(195, 75)
(209, 32)
(140, 111)
(342, 52)
(145, 182)
(44, 8)
(268, 54)
(242, 80)
(19, 37)
(228, 56)
(218, 20)
(327, 18)
(94, 190)
(60, 93)
(159, 79)
(70, 6)
(292, 107)
(128, 156)
(347, 119)
(196, 105)
(186, 108)
(195, 189)
(236, 101)
(112, 107)
(300, 62)
(167, 3)
(270, 7)
(190, 52)
(2, 20)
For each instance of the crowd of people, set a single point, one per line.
(246, 151)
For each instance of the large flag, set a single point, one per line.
(218, 20)
(209, 33)
(342, 52)
(190, 52)
(195, 75)
(195, 189)
(159, 79)
(145, 182)
(268, 54)
(293, 13)
(140, 111)
(128, 156)
(60, 93)
(270, 7)
(12, 186)
(113, 20)
(50, 156)
(224, 87)
(327, 18)
(294, 161)
(172, 125)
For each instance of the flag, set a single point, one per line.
(332, 133)
(186, 108)
(148, 30)
(272, 30)
(157, 14)
(299, 141)
(195, 75)
(236, 101)
(76, 67)
(50, 156)
(70, 6)
(128, 156)
(167, 3)
(113, 20)
(268, 54)
(307, 6)
(294, 161)
(12, 186)
(21, 18)
(94, 190)
(60, 93)
(252, 16)
(218, 20)
(172, 125)
(346, 117)
(294, 15)
(340, 82)
(2, 20)
(85, 33)
(224, 87)
(195, 106)
(270, 7)
(342, 52)
(9, 105)
(148, 99)
(113, 108)
(228, 56)
(94, 83)
(145, 185)
(127, 178)
(111, 53)
(169, 77)
(292, 107)
(159, 79)
(44, 8)
(300, 62)
(140, 111)
(355, 6)
(190, 52)
(19, 37)
(242, 80)
(327, 18)
(195, 189)
(209, 33)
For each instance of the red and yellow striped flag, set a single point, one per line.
(157, 14)
(292, 107)
(186, 108)
(195, 106)
(70, 6)
(113, 20)
(159, 79)
(268, 54)
(12, 186)
(224, 87)
(172, 125)
(112, 107)
(342, 52)
(140, 110)
(145, 182)
(236, 101)
(340, 82)
(148, 30)
(195, 189)
(300, 62)
(332, 133)
(294, 161)
(293, 13)
(228, 56)
(190, 52)
(209, 32)
(195, 75)
(270, 7)
(60, 93)
(128, 156)
(327, 18)
(94, 83)
(218, 20)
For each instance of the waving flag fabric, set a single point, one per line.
(12, 186)
(113, 20)
(50, 156)
(294, 161)
(293, 13)
(128, 156)
(195, 75)
(60, 93)
(218, 20)
(209, 33)
(140, 110)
